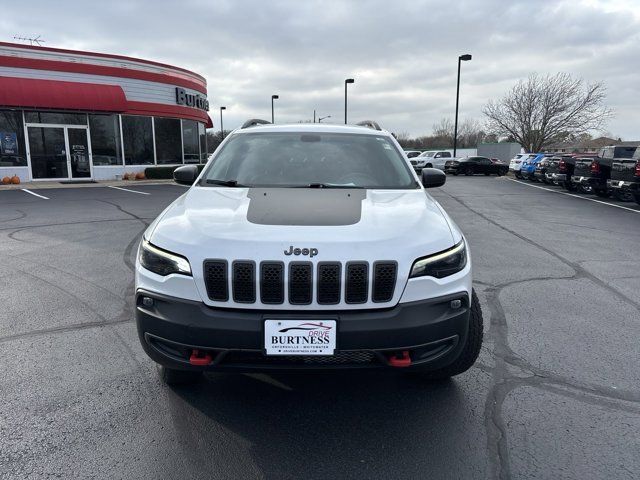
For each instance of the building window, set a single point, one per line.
(190, 141)
(138, 140)
(202, 132)
(168, 146)
(105, 139)
(12, 151)
(56, 117)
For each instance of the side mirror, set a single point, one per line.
(432, 177)
(185, 175)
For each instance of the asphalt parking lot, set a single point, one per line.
(555, 393)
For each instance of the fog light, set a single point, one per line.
(148, 302)
(456, 303)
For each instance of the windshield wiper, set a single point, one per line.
(225, 183)
(328, 185)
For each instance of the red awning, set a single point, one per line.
(209, 123)
(31, 93)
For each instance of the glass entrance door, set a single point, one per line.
(48, 151)
(79, 163)
(59, 152)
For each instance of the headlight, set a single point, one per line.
(162, 262)
(441, 264)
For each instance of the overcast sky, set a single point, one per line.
(402, 54)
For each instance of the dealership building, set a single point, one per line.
(73, 115)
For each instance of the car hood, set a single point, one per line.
(339, 224)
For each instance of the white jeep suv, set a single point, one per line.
(306, 247)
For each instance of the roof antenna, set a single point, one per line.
(37, 40)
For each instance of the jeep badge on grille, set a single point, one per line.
(311, 252)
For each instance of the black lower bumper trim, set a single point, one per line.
(430, 329)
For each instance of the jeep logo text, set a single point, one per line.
(312, 252)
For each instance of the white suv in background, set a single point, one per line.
(284, 254)
(431, 159)
(516, 163)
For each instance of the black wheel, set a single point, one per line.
(623, 195)
(569, 186)
(470, 351)
(584, 188)
(455, 174)
(428, 165)
(636, 197)
(468, 171)
(601, 192)
(172, 377)
(487, 173)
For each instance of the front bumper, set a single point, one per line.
(624, 185)
(430, 330)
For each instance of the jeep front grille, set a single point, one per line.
(303, 282)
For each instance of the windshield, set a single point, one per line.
(295, 159)
(427, 154)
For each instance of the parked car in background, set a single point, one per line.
(625, 178)
(430, 159)
(412, 153)
(528, 166)
(516, 163)
(606, 158)
(587, 176)
(541, 170)
(473, 165)
(560, 170)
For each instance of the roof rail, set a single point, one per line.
(369, 124)
(253, 122)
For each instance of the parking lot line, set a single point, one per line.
(574, 195)
(127, 190)
(35, 194)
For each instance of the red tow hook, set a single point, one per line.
(200, 359)
(400, 360)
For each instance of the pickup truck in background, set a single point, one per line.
(625, 178)
(595, 172)
(560, 170)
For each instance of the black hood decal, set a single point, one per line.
(305, 206)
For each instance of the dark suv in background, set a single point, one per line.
(473, 165)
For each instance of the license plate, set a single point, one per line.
(300, 337)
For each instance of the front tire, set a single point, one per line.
(468, 171)
(601, 192)
(172, 377)
(470, 351)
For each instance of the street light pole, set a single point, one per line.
(322, 118)
(273, 97)
(461, 58)
(314, 116)
(221, 125)
(347, 81)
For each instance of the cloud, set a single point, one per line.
(403, 54)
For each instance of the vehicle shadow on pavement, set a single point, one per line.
(331, 425)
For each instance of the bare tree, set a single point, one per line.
(548, 109)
